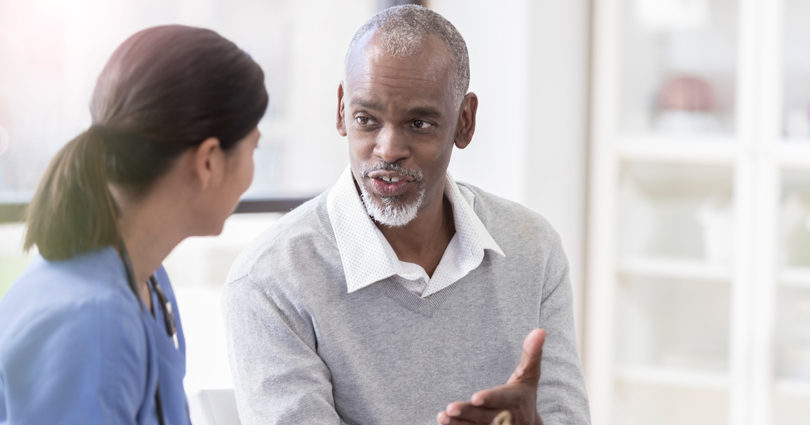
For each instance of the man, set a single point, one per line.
(400, 296)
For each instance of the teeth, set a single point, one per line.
(390, 179)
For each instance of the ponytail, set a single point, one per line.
(73, 211)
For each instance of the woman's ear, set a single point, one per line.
(209, 162)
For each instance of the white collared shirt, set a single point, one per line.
(368, 258)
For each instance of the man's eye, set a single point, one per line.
(362, 120)
(422, 124)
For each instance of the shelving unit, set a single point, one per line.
(642, 405)
(673, 149)
(793, 153)
(699, 222)
(677, 269)
(793, 387)
(790, 401)
(796, 277)
(673, 378)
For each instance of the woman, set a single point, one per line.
(90, 332)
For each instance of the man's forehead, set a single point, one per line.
(371, 53)
(377, 71)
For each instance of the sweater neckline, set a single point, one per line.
(426, 306)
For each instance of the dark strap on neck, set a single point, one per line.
(159, 407)
(122, 252)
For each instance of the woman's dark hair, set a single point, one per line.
(164, 90)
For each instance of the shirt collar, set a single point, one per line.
(366, 255)
(469, 228)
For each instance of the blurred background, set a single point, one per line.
(668, 141)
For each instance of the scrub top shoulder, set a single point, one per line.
(76, 347)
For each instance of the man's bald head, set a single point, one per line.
(402, 30)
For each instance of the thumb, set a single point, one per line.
(528, 370)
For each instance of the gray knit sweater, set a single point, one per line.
(304, 351)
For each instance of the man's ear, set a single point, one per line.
(209, 162)
(341, 112)
(466, 121)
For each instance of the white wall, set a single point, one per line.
(497, 40)
(529, 67)
(557, 154)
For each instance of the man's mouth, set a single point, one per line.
(388, 183)
(389, 176)
(391, 180)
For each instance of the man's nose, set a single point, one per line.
(391, 145)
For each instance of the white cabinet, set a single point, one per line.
(698, 276)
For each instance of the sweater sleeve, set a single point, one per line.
(77, 366)
(561, 397)
(278, 376)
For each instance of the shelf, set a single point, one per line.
(794, 153)
(676, 269)
(672, 377)
(795, 141)
(796, 277)
(700, 227)
(679, 149)
(793, 387)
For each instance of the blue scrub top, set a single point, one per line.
(76, 347)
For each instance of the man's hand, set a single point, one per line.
(518, 395)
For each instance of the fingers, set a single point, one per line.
(502, 397)
(518, 394)
(466, 413)
(528, 370)
(443, 419)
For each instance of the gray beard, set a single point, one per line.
(392, 213)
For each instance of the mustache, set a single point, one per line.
(415, 174)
